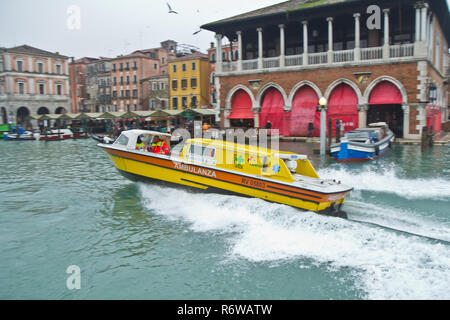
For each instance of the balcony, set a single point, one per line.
(329, 59)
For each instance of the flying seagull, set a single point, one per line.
(197, 32)
(170, 9)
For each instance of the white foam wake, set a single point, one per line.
(386, 180)
(386, 264)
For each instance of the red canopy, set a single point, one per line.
(241, 106)
(303, 111)
(272, 109)
(385, 93)
(343, 105)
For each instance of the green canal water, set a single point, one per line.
(63, 204)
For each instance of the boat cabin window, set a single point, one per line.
(202, 153)
(122, 140)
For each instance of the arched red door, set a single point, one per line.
(304, 108)
(272, 108)
(385, 105)
(241, 109)
(343, 105)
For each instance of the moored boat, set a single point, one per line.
(17, 133)
(364, 143)
(54, 135)
(224, 167)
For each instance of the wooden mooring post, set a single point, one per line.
(427, 138)
(338, 130)
(330, 133)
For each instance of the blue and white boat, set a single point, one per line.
(364, 143)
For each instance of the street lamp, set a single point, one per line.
(323, 124)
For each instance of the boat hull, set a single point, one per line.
(350, 151)
(165, 170)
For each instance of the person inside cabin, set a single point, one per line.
(159, 146)
(140, 144)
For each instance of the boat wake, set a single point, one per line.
(387, 180)
(385, 264)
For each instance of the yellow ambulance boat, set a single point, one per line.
(223, 167)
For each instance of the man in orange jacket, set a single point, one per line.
(159, 146)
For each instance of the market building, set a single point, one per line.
(372, 61)
(32, 81)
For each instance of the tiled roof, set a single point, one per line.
(25, 49)
(284, 7)
(194, 55)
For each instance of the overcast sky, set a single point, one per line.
(112, 27)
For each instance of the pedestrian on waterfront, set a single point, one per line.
(310, 129)
(269, 125)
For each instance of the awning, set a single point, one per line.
(241, 106)
(385, 93)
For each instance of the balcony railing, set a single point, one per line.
(344, 56)
(271, 62)
(229, 66)
(341, 56)
(317, 58)
(402, 50)
(296, 60)
(372, 53)
(250, 64)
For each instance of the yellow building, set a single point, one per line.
(189, 81)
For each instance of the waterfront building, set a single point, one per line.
(129, 71)
(381, 61)
(156, 89)
(77, 80)
(98, 85)
(32, 81)
(189, 81)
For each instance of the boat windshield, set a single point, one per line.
(122, 140)
(176, 150)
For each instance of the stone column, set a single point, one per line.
(362, 115)
(424, 22)
(218, 53)
(420, 48)
(386, 53)
(305, 42)
(282, 46)
(260, 48)
(330, 39)
(405, 120)
(239, 62)
(418, 7)
(357, 37)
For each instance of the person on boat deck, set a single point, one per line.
(140, 144)
(310, 129)
(159, 146)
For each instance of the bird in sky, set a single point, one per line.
(170, 9)
(197, 31)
